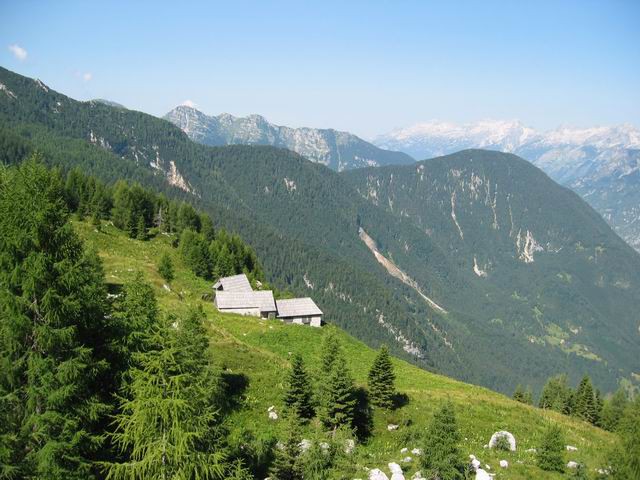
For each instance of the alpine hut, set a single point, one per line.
(302, 311)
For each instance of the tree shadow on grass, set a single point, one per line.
(234, 386)
(363, 418)
(400, 400)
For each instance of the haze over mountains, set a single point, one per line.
(602, 164)
(477, 264)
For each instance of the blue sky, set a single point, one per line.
(366, 67)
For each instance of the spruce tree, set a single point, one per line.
(298, 396)
(165, 268)
(550, 454)
(444, 460)
(55, 338)
(135, 313)
(381, 380)
(585, 401)
(329, 351)
(338, 403)
(141, 229)
(287, 464)
(167, 412)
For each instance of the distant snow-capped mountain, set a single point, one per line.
(335, 149)
(601, 163)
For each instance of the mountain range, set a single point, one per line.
(476, 264)
(602, 164)
(337, 150)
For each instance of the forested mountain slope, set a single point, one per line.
(542, 265)
(376, 269)
(335, 149)
(602, 164)
(255, 353)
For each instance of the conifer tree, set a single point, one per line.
(329, 351)
(613, 409)
(518, 394)
(54, 334)
(528, 396)
(381, 380)
(585, 401)
(298, 396)
(167, 411)
(287, 464)
(141, 229)
(338, 404)
(550, 454)
(444, 460)
(557, 395)
(626, 458)
(135, 313)
(165, 268)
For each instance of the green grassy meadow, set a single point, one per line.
(258, 351)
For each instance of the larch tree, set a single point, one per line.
(168, 413)
(381, 380)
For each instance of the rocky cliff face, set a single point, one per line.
(337, 150)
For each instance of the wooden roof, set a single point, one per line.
(236, 283)
(297, 307)
(262, 299)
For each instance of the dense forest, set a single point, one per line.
(303, 221)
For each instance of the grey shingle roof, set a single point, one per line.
(236, 283)
(262, 299)
(297, 307)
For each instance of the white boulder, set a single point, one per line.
(417, 476)
(273, 415)
(407, 459)
(482, 475)
(397, 476)
(395, 468)
(377, 474)
(571, 448)
(304, 445)
(510, 438)
(572, 464)
(391, 427)
(531, 450)
(404, 450)
(504, 464)
(475, 463)
(349, 445)
(417, 451)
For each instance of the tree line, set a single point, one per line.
(584, 402)
(143, 214)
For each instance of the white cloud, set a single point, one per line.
(189, 103)
(87, 76)
(18, 52)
